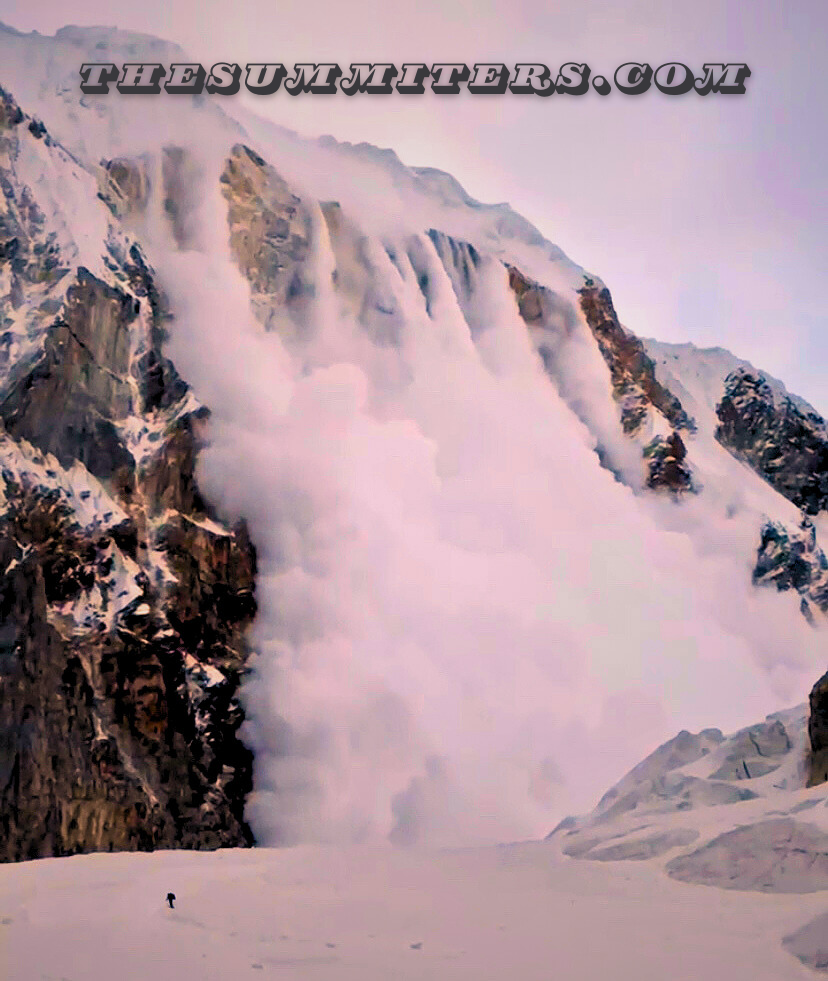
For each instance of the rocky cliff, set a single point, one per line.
(123, 601)
(789, 558)
(782, 438)
(818, 732)
(634, 382)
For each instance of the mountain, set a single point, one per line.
(124, 603)
(336, 501)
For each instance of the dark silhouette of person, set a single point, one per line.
(171, 899)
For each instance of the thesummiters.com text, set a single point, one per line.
(573, 78)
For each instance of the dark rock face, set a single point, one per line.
(667, 467)
(634, 381)
(818, 732)
(30, 260)
(125, 186)
(124, 602)
(270, 232)
(632, 373)
(11, 114)
(789, 558)
(84, 370)
(103, 745)
(783, 440)
(539, 307)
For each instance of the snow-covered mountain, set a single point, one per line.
(499, 545)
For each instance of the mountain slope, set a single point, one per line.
(491, 525)
(124, 604)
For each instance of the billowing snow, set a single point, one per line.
(466, 624)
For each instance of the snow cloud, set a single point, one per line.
(466, 625)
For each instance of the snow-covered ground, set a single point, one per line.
(521, 911)
(708, 860)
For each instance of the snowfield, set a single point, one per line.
(688, 868)
(520, 911)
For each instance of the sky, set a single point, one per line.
(704, 216)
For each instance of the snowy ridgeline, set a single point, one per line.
(735, 811)
(503, 547)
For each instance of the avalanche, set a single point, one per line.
(472, 616)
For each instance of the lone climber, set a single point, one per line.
(171, 899)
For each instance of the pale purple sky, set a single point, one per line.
(705, 216)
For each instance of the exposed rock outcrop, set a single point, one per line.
(124, 602)
(83, 372)
(539, 306)
(124, 648)
(638, 393)
(31, 265)
(790, 558)
(783, 439)
(270, 234)
(667, 467)
(634, 381)
(124, 186)
(818, 732)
